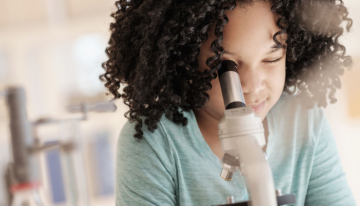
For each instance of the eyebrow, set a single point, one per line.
(273, 48)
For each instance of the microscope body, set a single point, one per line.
(242, 137)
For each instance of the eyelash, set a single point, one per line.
(271, 62)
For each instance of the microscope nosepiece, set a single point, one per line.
(226, 174)
(230, 165)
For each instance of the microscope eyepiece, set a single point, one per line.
(227, 65)
(230, 85)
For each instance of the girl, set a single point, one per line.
(166, 53)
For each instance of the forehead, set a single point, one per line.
(250, 27)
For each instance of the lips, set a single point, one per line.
(258, 108)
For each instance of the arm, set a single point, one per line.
(327, 185)
(143, 173)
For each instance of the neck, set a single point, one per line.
(207, 123)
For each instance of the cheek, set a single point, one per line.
(276, 80)
(279, 80)
(275, 84)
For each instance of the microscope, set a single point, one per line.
(23, 173)
(241, 135)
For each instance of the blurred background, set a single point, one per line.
(54, 50)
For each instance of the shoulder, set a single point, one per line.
(293, 106)
(145, 173)
(290, 112)
(154, 142)
(158, 144)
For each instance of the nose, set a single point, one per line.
(252, 81)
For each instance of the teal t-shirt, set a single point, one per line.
(175, 166)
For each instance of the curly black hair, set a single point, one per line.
(154, 46)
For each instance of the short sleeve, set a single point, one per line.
(327, 184)
(143, 170)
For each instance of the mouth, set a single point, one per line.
(258, 108)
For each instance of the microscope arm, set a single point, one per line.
(254, 168)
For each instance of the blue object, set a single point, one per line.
(104, 165)
(55, 175)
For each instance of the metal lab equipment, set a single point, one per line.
(242, 136)
(23, 175)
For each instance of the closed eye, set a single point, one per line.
(271, 62)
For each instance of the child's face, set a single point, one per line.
(248, 36)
